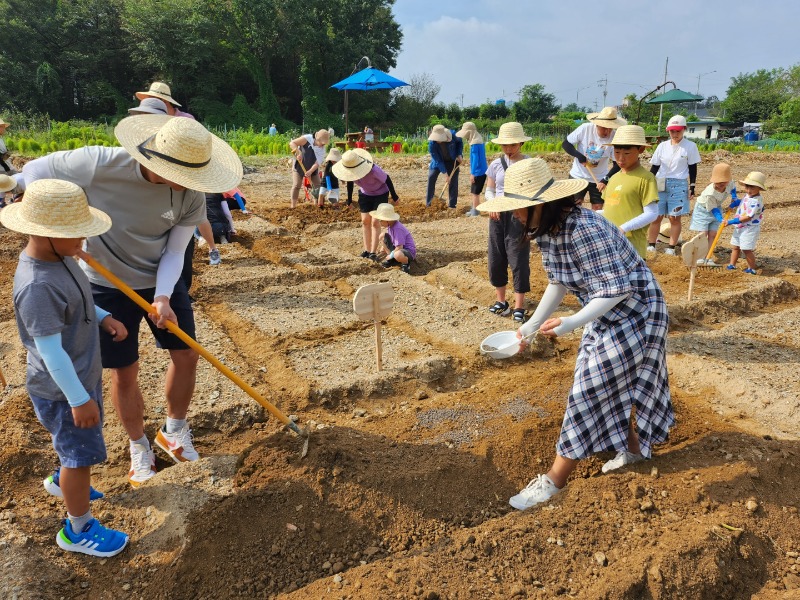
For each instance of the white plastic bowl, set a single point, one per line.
(503, 344)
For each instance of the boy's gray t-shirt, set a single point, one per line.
(142, 213)
(48, 301)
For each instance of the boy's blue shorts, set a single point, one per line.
(674, 200)
(75, 447)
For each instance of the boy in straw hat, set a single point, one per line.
(707, 212)
(477, 163)
(505, 249)
(153, 189)
(58, 324)
(749, 214)
(446, 152)
(374, 188)
(631, 196)
(398, 241)
(620, 399)
(588, 144)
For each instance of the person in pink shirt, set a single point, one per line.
(398, 241)
(374, 188)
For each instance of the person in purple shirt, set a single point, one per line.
(160, 90)
(398, 241)
(374, 188)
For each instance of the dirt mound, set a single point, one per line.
(404, 492)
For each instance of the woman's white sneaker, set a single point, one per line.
(621, 459)
(537, 491)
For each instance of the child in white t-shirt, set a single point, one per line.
(749, 215)
(707, 213)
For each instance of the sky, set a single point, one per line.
(479, 50)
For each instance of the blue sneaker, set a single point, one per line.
(731, 267)
(54, 489)
(94, 539)
(750, 271)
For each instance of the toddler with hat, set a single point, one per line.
(330, 183)
(707, 213)
(59, 326)
(749, 214)
(397, 241)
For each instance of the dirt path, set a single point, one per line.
(404, 491)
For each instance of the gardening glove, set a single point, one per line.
(733, 221)
(733, 194)
(734, 203)
(717, 214)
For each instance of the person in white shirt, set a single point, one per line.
(590, 145)
(674, 164)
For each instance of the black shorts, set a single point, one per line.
(369, 203)
(477, 187)
(116, 355)
(595, 195)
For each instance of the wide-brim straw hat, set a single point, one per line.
(158, 89)
(721, 173)
(607, 117)
(334, 155)
(511, 133)
(629, 135)
(384, 212)
(3, 123)
(150, 106)
(756, 178)
(354, 165)
(529, 182)
(57, 209)
(7, 184)
(440, 133)
(323, 135)
(181, 151)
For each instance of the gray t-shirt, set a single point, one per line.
(47, 301)
(142, 213)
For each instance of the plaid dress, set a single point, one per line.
(622, 356)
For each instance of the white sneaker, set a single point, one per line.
(537, 491)
(178, 445)
(670, 252)
(143, 464)
(213, 257)
(621, 459)
(651, 249)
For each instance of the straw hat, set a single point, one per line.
(440, 133)
(721, 173)
(384, 212)
(158, 89)
(629, 135)
(511, 133)
(354, 165)
(607, 118)
(755, 178)
(3, 123)
(7, 184)
(323, 136)
(57, 209)
(529, 182)
(470, 133)
(676, 123)
(150, 106)
(181, 151)
(334, 155)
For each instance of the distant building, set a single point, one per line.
(703, 129)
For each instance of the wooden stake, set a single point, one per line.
(2, 380)
(692, 273)
(378, 345)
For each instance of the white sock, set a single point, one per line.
(78, 523)
(174, 425)
(142, 441)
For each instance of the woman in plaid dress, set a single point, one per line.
(620, 398)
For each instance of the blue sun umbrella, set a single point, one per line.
(366, 80)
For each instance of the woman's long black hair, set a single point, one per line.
(554, 213)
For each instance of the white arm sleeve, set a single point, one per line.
(649, 215)
(552, 297)
(227, 210)
(489, 194)
(171, 263)
(596, 307)
(37, 169)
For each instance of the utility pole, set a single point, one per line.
(603, 83)
(698, 86)
(661, 106)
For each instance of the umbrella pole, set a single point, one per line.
(346, 128)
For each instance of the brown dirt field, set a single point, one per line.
(404, 492)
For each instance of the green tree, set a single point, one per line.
(755, 97)
(534, 104)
